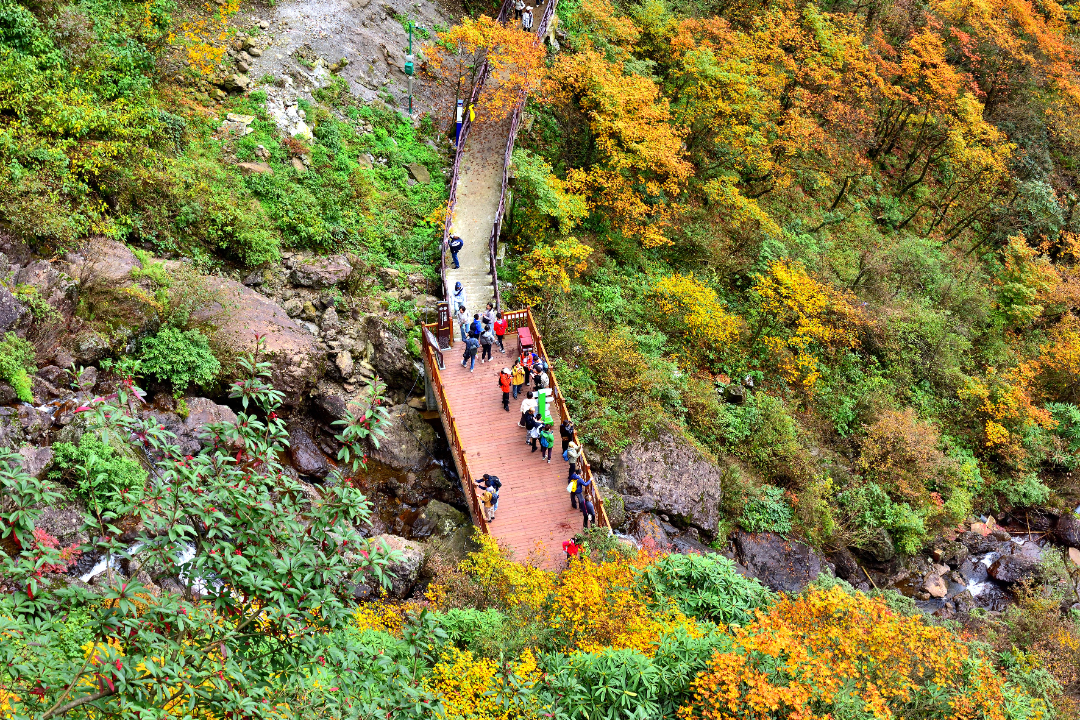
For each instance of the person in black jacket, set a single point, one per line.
(456, 243)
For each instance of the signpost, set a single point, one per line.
(409, 66)
(445, 327)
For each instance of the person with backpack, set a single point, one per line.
(459, 295)
(455, 245)
(504, 385)
(573, 454)
(588, 513)
(487, 339)
(517, 377)
(533, 424)
(475, 328)
(547, 440)
(471, 346)
(463, 322)
(488, 316)
(487, 501)
(574, 487)
(528, 405)
(493, 484)
(500, 331)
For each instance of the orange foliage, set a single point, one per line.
(900, 453)
(204, 37)
(812, 651)
(1004, 405)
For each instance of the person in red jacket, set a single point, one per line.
(500, 330)
(504, 385)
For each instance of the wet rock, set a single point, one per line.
(782, 565)
(1067, 531)
(443, 519)
(979, 544)
(202, 412)
(1017, 563)
(935, 586)
(321, 272)
(847, 567)
(669, 476)
(7, 394)
(972, 571)
(240, 313)
(36, 460)
(391, 357)
(306, 456)
(407, 569)
(407, 440)
(33, 421)
(647, 530)
(964, 603)
(687, 545)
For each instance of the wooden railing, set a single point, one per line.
(515, 121)
(432, 367)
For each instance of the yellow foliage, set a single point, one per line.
(800, 315)
(473, 688)
(1003, 401)
(693, 311)
(379, 616)
(204, 37)
(547, 268)
(806, 652)
(511, 583)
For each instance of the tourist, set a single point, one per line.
(504, 385)
(488, 316)
(572, 454)
(500, 331)
(517, 377)
(471, 346)
(459, 295)
(475, 328)
(588, 514)
(493, 484)
(582, 491)
(487, 339)
(455, 245)
(547, 440)
(527, 19)
(527, 405)
(527, 359)
(533, 426)
(463, 322)
(571, 549)
(519, 8)
(566, 433)
(574, 486)
(544, 379)
(487, 501)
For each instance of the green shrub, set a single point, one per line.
(768, 512)
(465, 626)
(868, 508)
(105, 477)
(1023, 491)
(706, 587)
(180, 357)
(17, 364)
(762, 431)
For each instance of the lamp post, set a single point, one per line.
(409, 66)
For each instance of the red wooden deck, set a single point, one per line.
(534, 516)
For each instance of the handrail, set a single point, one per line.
(515, 121)
(455, 170)
(454, 437)
(564, 413)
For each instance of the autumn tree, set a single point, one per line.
(692, 312)
(514, 61)
(546, 269)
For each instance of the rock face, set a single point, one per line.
(306, 456)
(669, 476)
(407, 440)
(438, 520)
(321, 272)
(240, 313)
(646, 529)
(782, 565)
(12, 312)
(391, 357)
(407, 568)
(1068, 530)
(1017, 562)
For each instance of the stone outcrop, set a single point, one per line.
(782, 565)
(391, 357)
(1017, 562)
(669, 476)
(407, 568)
(407, 440)
(1068, 530)
(321, 272)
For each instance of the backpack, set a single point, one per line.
(456, 243)
(495, 482)
(487, 336)
(545, 439)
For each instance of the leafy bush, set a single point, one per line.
(762, 431)
(17, 364)
(706, 587)
(1023, 491)
(179, 357)
(108, 479)
(768, 512)
(867, 507)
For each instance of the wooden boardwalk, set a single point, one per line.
(534, 515)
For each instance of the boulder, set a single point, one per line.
(1067, 531)
(103, 260)
(647, 530)
(407, 440)
(321, 272)
(63, 520)
(306, 456)
(1017, 563)
(252, 168)
(878, 547)
(12, 312)
(438, 520)
(202, 412)
(406, 569)
(419, 173)
(669, 476)
(935, 586)
(329, 320)
(52, 284)
(847, 567)
(240, 313)
(391, 357)
(978, 543)
(237, 82)
(36, 460)
(7, 394)
(782, 565)
(687, 545)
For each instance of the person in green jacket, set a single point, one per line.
(547, 440)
